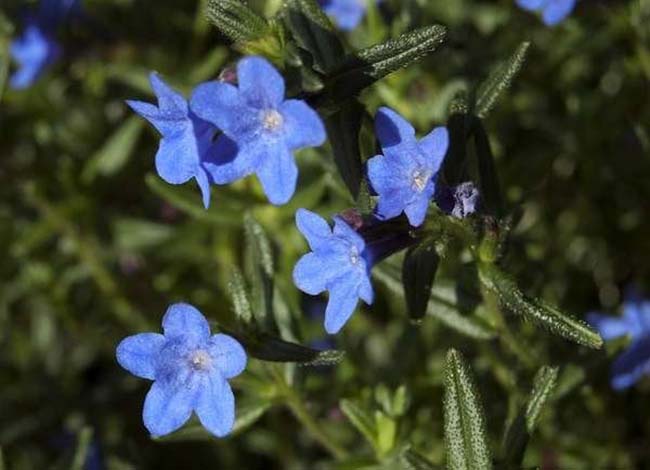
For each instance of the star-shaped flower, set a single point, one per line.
(339, 263)
(260, 125)
(553, 11)
(186, 150)
(34, 50)
(347, 13)
(404, 177)
(189, 368)
(631, 365)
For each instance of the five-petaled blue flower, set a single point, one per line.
(347, 13)
(404, 177)
(631, 365)
(553, 11)
(189, 368)
(260, 128)
(339, 263)
(186, 150)
(34, 50)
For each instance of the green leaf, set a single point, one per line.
(84, 439)
(386, 432)
(500, 80)
(258, 243)
(115, 152)
(360, 419)
(465, 430)
(259, 264)
(239, 295)
(343, 132)
(365, 67)
(137, 234)
(550, 317)
(236, 21)
(413, 460)
(418, 272)
(520, 431)
(489, 185)
(266, 347)
(313, 31)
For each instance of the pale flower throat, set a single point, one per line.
(272, 120)
(420, 179)
(200, 360)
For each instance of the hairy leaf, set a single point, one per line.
(418, 273)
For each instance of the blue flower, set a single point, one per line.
(339, 263)
(347, 13)
(631, 365)
(34, 50)
(404, 177)
(553, 11)
(186, 150)
(189, 368)
(261, 129)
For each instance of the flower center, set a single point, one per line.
(354, 256)
(272, 120)
(419, 180)
(200, 360)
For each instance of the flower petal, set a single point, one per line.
(313, 273)
(176, 159)
(609, 327)
(229, 355)
(138, 354)
(343, 230)
(314, 228)
(392, 129)
(185, 321)
(630, 366)
(215, 405)
(348, 14)
(278, 174)
(392, 203)
(416, 211)
(167, 407)
(303, 127)
(366, 291)
(532, 5)
(220, 104)
(556, 11)
(203, 180)
(260, 84)
(225, 163)
(170, 102)
(434, 147)
(382, 175)
(341, 304)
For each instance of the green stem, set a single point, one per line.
(81, 453)
(295, 403)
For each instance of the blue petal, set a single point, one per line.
(167, 407)
(416, 211)
(185, 322)
(343, 230)
(260, 84)
(434, 147)
(278, 174)
(532, 5)
(215, 405)
(556, 11)
(203, 181)
(221, 104)
(392, 129)
(139, 353)
(366, 291)
(313, 272)
(393, 202)
(609, 327)
(170, 102)
(176, 159)
(303, 126)
(636, 318)
(347, 13)
(314, 228)
(382, 175)
(228, 354)
(630, 366)
(341, 304)
(225, 163)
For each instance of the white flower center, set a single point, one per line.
(272, 120)
(354, 256)
(420, 178)
(200, 360)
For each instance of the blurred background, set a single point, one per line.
(94, 246)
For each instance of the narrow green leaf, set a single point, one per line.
(386, 432)
(522, 428)
(500, 80)
(343, 132)
(236, 21)
(465, 430)
(84, 439)
(137, 234)
(365, 67)
(418, 272)
(413, 460)
(489, 185)
(259, 243)
(360, 419)
(552, 318)
(270, 348)
(239, 295)
(115, 152)
(313, 31)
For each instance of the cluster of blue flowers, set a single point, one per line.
(634, 363)
(36, 48)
